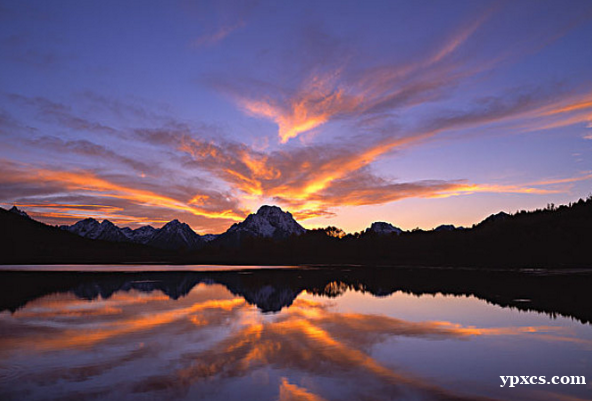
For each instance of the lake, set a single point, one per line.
(308, 333)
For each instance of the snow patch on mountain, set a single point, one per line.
(141, 235)
(91, 228)
(269, 221)
(175, 235)
(209, 237)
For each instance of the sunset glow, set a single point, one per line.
(418, 115)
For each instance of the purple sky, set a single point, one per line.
(418, 113)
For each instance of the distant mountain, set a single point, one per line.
(268, 222)
(16, 210)
(140, 235)
(552, 237)
(383, 228)
(172, 236)
(24, 240)
(175, 235)
(448, 227)
(91, 228)
(495, 218)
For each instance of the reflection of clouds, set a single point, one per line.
(88, 337)
(291, 392)
(53, 323)
(60, 313)
(94, 369)
(309, 338)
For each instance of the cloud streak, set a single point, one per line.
(332, 93)
(320, 177)
(30, 181)
(219, 35)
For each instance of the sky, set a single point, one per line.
(417, 113)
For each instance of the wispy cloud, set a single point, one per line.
(95, 151)
(332, 92)
(61, 114)
(220, 19)
(212, 38)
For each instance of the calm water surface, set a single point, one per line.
(283, 335)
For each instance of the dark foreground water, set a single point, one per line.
(293, 334)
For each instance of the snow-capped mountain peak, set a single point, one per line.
(175, 235)
(269, 221)
(83, 227)
(91, 228)
(140, 235)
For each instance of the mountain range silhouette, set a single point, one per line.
(552, 237)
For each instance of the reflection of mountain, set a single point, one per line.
(273, 289)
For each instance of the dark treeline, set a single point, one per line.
(551, 237)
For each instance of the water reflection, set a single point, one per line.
(204, 336)
(271, 290)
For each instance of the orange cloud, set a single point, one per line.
(316, 102)
(582, 104)
(64, 212)
(311, 180)
(100, 187)
(329, 94)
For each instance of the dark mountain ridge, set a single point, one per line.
(172, 236)
(268, 222)
(24, 240)
(550, 237)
